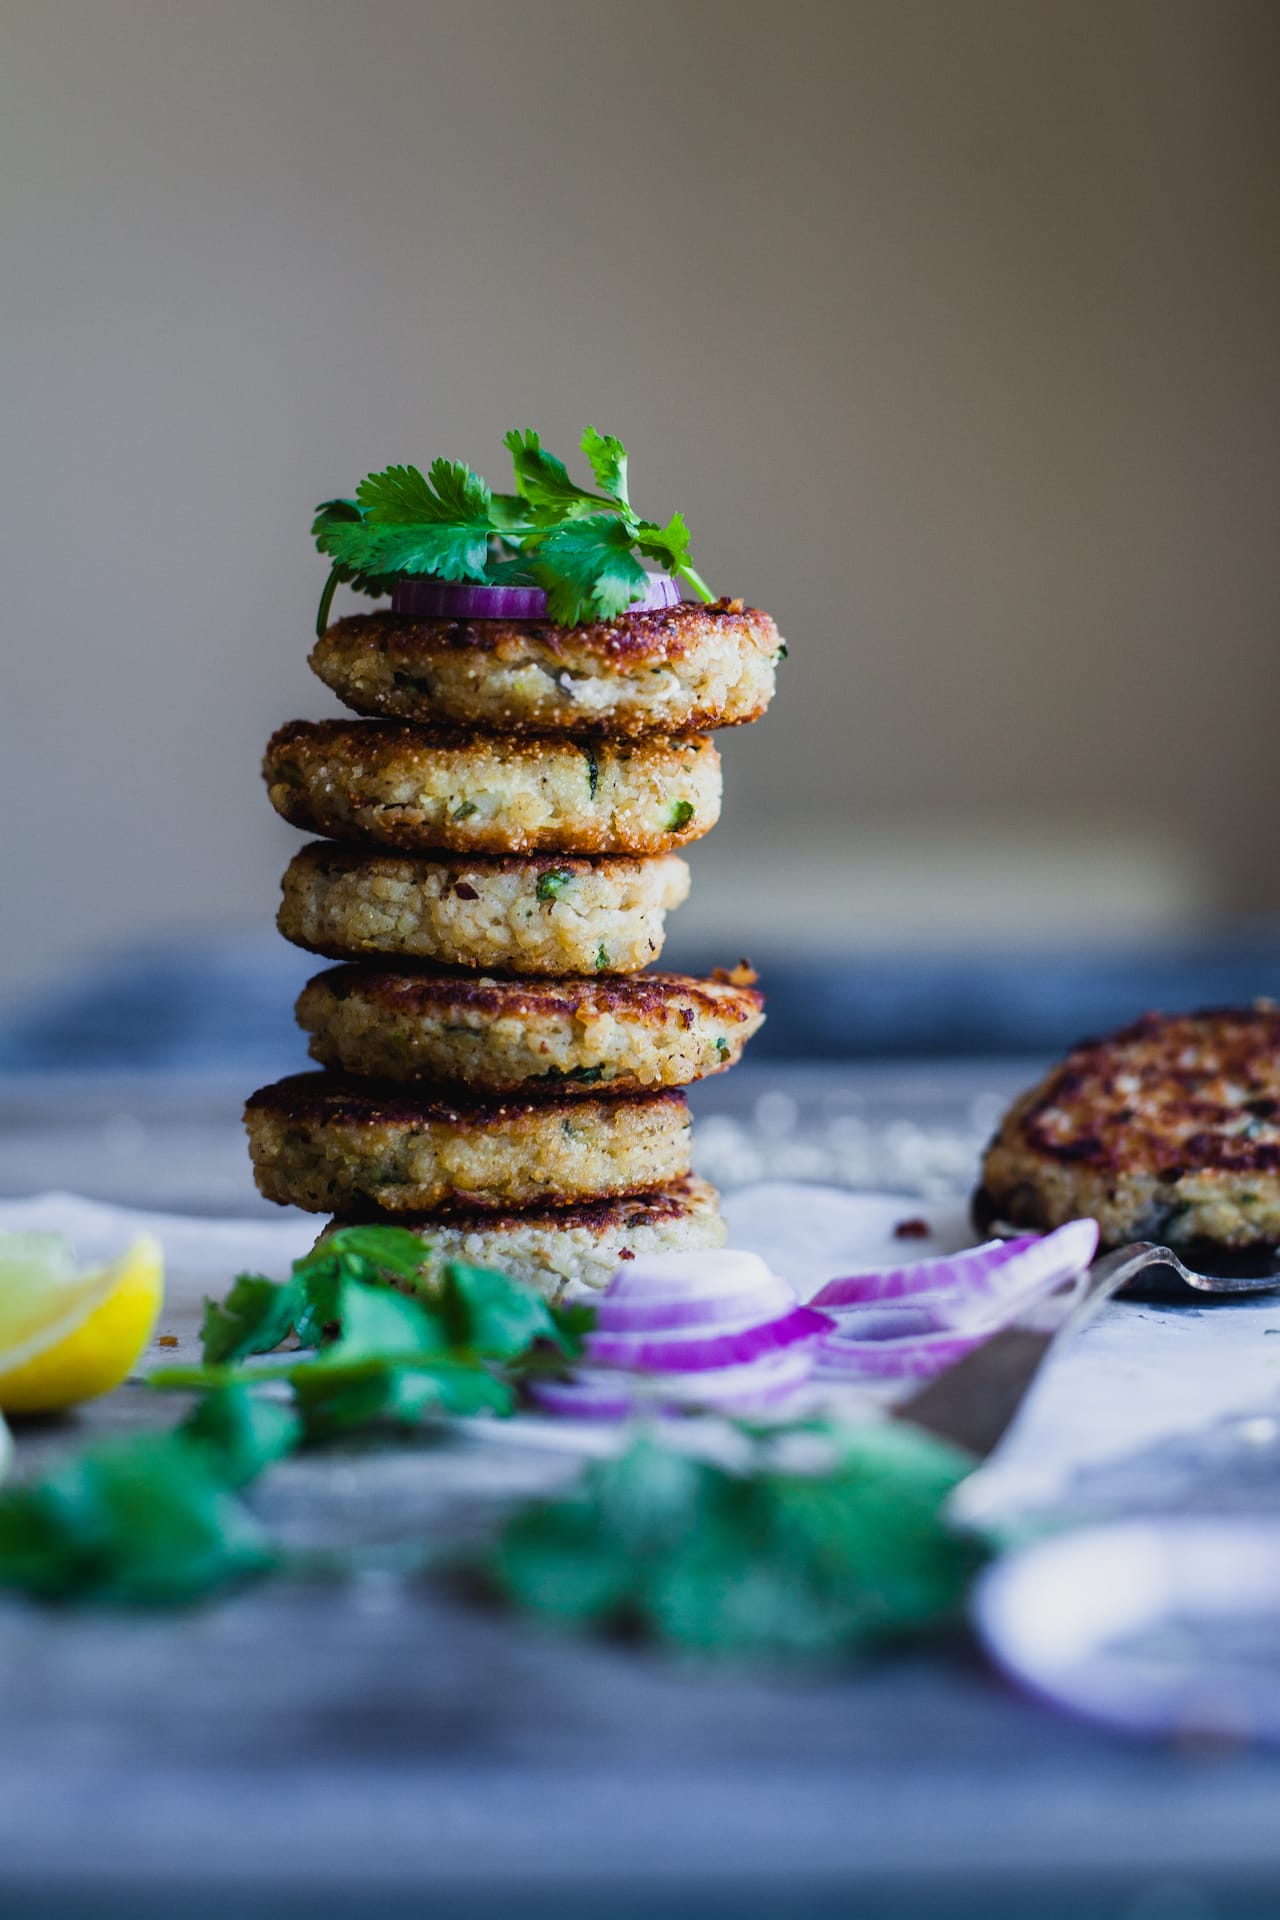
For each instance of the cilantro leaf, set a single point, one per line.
(489, 1314)
(242, 1432)
(147, 1520)
(370, 1254)
(608, 459)
(588, 569)
(764, 1563)
(255, 1317)
(400, 497)
(668, 545)
(377, 1325)
(543, 481)
(336, 1400)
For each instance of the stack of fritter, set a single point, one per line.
(498, 862)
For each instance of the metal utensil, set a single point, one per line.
(1158, 1273)
(974, 1402)
(1161, 1274)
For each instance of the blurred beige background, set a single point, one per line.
(950, 324)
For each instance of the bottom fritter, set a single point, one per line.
(330, 1144)
(558, 1251)
(1166, 1131)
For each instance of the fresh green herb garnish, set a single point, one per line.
(584, 548)
(602, 957)
(156, 1518)
(766, 1561)
(822, 1555)
(258, 1313)
(150, 1520)
(680, 816)
(242, 1432)
(552, 885)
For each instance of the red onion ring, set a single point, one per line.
(601, 1394)
(689, 1330)
(962, 1301)
(431, 599)
(688, 1354)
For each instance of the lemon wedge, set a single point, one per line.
(67, 1336)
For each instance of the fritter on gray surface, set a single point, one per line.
(1166, 1131)
(560, 1250)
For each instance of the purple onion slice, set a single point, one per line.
(607, 1394)
(694, 1351)
(932, 1314)
(712, 1289)
(431, 599)
(682, 1331)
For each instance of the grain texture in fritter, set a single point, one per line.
(559, 1251)
(399, 786)
(671, 670)
(656, 1030)
(330, 1144)
(540, 914)
(1168, 1131)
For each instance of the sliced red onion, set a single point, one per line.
(952, 1272)
(692, 1351)
(433, 599)
(650, 1297)
(915, 1321)
(686, 1330)
(604, 1394)
(584, 1396)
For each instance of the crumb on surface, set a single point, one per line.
(913, 1229)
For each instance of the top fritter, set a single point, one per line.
(666, 670)
(1169, 1131)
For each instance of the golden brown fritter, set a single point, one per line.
(1167, 1131)
(559, 1250)
(400, 786)
(530, 914)
(669, 670)
(626, 1034)
(330, 1144)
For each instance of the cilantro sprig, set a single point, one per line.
(820, 1555)
(158, 1519)
(585, 548)
(762, 1560)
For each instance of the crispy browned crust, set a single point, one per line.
(318, 1098)
(440, 990)
(672, 670)
(346, 779)
(1193, 1091)
(624, 1213)
(659, 634)
(1168, 1130)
